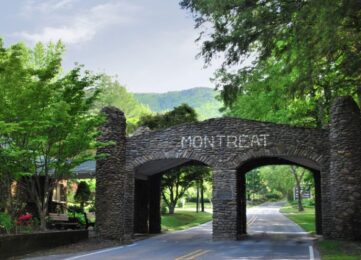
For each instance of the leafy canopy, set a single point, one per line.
(309, 50)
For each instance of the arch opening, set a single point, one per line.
(153, 185)
(257, 163)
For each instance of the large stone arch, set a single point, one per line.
(225, 144)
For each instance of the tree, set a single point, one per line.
(254, 184)
(175, 182)
(298, 174)
(278, 178)
(112, 93)
(179, 115)
(82, 194)
(314, 44)
(44, 115)
(204, 175)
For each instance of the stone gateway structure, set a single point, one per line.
(128, 179)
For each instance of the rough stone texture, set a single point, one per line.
(224, 204)
(112, 178)
(147, 155)
(345, 168)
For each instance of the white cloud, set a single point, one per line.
(84, 25)
(45, 6)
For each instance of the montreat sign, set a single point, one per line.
(228, 141)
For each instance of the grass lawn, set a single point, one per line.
(330, 250)
(305, 219)
(339, 250)
(183, 219)
(191, 206)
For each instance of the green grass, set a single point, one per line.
(183, 219)
(192, 206)
(339, 250)
(330, 250)
(306, 219)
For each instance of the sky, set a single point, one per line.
(149, 45)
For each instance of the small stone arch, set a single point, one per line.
(263, 159)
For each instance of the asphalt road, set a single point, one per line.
(271, 236)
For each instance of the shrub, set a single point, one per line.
(75, 209)
(76, 217)
(163, 208)
(6, 222)
(273, 196)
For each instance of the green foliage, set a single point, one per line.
(184, 219)
(179, 115)
(278, 179)
(82, 194)
(175, 183)
(6, 223)
(339, 250)
(305, 54)
(77, 217)
(306, 218)
(114, 94)
(254, 184)
(203, 100)
(45, 123)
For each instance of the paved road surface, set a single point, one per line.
(271, 236)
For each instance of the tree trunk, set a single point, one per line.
(197, 202)
(202, 196)
(299, 193)
(42, 217)
(359, 95)
(171, 208)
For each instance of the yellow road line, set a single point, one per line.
(189, 255)
(252, 219)
(251, 222)
(198, 255)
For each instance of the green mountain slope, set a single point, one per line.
(201, 99)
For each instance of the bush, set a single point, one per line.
(163, 208)
(273, 196)
(75, 209)
(76, 217)
(6, 222)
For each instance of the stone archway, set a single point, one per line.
(250, 164)
(225, 144)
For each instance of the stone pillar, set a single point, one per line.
(345, 169)
(154, 204)
(224, 204)
(111, 177)
(141, 211)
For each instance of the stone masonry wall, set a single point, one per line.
(345, 170)
(111, 178)
(226, 145)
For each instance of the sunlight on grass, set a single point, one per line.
(184, 219)
(330, 250)
(305, 219)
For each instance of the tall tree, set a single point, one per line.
(298, 175)
(315, 44)
(112, 93)
(175, 182)
(44, 116)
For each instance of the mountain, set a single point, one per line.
(201, 99)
